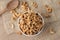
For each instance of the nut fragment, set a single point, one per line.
(52, 31)
(48, 9)
(19, 33)
(34, 4)
(46, 15)
(14, 12)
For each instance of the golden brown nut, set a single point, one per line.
(24, 6)
(34, 4)
(52, 31)
(25, 3)
(15, 14)
(48, 8)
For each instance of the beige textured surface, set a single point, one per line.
(43, 36)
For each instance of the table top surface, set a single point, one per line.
(44, 36)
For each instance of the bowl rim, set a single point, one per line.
(38, 32)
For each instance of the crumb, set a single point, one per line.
(46, 15)
(19, 33)
(12, 26)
